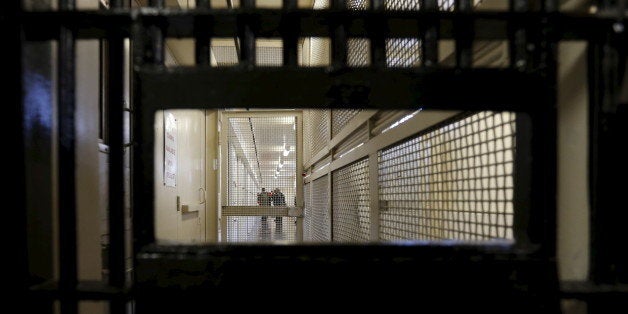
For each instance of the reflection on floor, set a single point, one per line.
(261, 229)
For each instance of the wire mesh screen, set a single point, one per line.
(319, 132)
(261, 171)
(446, 5)
(307, 211)
(352, 142)
(320, 51)
(357, 4)
(340, 118)
(265, 56)
(269, 56)
(403, 52)
(260, 229)
(351, 203)
(401, 4)
(415, 4)
(455, 182)
(319, 229)
(225, 55)
(358, 52)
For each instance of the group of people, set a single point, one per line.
(274, 198)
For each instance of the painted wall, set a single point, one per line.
(171, 223)
(87, 163)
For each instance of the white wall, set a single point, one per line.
(573, 194)
(171, 224)
(87, 163)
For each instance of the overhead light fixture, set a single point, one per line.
(286, 150)
(280, 165)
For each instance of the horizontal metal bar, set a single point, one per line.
(415, 125)
(475, 89)
(490, 277)
(85, 290)
(269, 22)
(356, 123)
(586, 290)
(279, 211)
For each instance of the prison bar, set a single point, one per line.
(203, 28)
(115, 114)
(68, 259)
(396, 24)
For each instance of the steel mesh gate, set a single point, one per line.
(156, 87)
(259, 179)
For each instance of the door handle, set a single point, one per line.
(203, 191)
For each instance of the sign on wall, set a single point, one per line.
(170, 149)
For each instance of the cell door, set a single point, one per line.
(261, 182)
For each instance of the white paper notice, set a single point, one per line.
(170, 149)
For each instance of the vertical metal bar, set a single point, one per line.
(157, 3)
(607, 123)
(374, 195)
(519, 38)
(148, 48)
(550, 5)
(68, 262)
(299, 176)
(290, 31)
(202, 36)
(247, 37)
(115, 113)
(338, 36)
(542, 226)
(522, 180)
(11, 58)
(143, 215)
(429, 46)
(378, 41)
(156, 34)
(463, 30)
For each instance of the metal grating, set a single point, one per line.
(358, 52)
(352, 142)
(357, 4)
(258, 173)
(307, 134)
(307, 211)
(446, 5)
(269, 56)
(401, 4)
(340, 118)
(403, 52)
(225, 55)
(351, 203)
(320, 51)
(320, 220)
(319, 132)
(260, 229)
(265, 56)
(455, 182)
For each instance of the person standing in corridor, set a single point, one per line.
(264, 199)
(278, 200)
